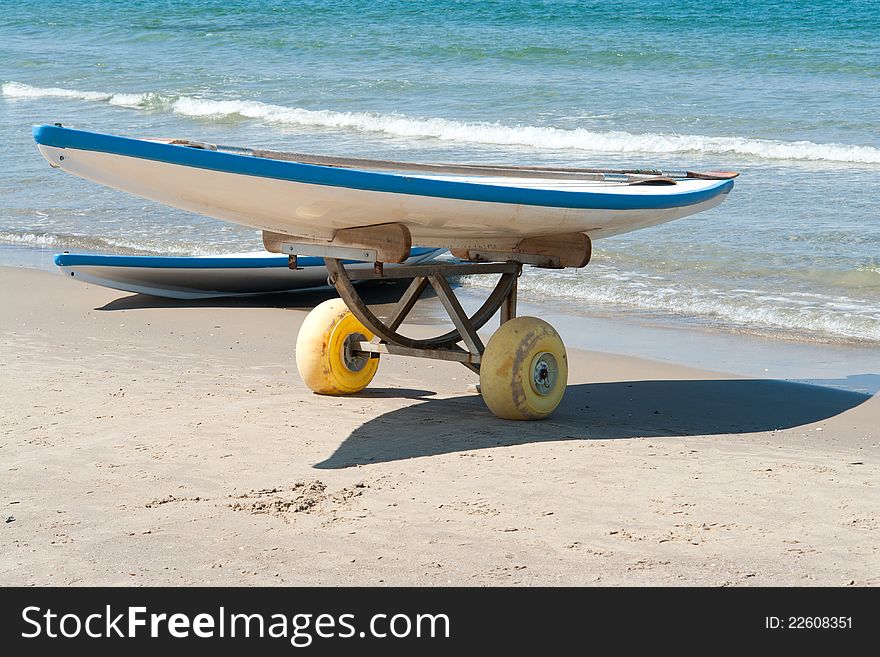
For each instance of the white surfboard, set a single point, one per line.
(203, 277)
(444, 206)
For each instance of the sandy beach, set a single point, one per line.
(145, 442)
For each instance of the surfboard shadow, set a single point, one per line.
(592, 411)
(373, 293)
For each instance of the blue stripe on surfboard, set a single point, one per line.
(196, 262)
(314, 174)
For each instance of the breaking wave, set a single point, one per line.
(606, 289)
(399, 125)
(90, 243)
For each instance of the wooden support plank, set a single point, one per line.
(272, 241)
(562, 250)
(485, 255)
(391, 242)
(434, 269)
(572, 249)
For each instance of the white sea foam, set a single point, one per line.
(127, 100)
(18, 90)
(29, 239)
(398, 125)
(606, 289)
(61, 241)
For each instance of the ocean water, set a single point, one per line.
(786, 93)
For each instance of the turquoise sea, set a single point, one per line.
(786, 93)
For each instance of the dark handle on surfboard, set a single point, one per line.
(712, 175)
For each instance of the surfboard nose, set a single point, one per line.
(43, 133)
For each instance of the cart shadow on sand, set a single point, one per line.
(589, 411)
(598, 411)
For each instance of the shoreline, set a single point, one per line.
(156, 443)
(847, 366)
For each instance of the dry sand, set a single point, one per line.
(149, 442)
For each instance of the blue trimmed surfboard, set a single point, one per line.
(443, 206)
(203, 277)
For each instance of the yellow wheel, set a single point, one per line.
(524, 370)
(324, 349)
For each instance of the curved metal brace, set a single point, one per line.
(348, 293)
